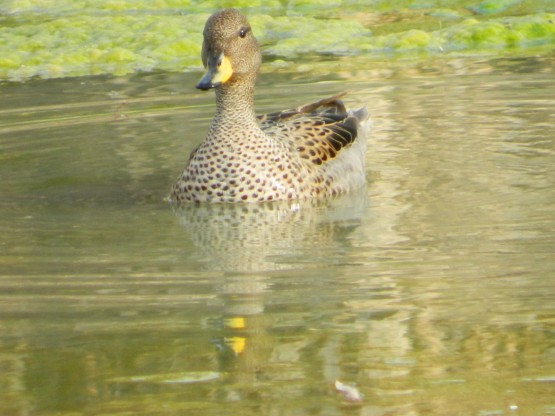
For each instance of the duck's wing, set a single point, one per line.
(317, 131)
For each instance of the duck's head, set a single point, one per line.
(230, 51)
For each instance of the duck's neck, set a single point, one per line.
(235, 104)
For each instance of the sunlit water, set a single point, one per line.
(432, 290)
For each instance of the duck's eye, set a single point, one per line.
(243, 32)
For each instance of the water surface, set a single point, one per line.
(432, 290)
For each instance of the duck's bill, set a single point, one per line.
(219, 72)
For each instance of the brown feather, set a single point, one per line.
(318, 131)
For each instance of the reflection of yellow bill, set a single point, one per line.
(237, 344)
(237, 322)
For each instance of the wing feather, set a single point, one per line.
(318, 131)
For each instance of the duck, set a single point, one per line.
(315, 150)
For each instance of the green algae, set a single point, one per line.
(293, 36)
(503, 33)
(493, 6)
(84, 45)
(63, 38)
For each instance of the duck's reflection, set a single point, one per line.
(264, 237)
(249, 243)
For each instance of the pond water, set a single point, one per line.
(432, 290)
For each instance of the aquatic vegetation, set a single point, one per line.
(293, 36)
(493, 6)
(61, 38)
(84, 45)
(506, 32)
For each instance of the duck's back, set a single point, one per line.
(329, 140)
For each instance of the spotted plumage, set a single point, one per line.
(315, 150)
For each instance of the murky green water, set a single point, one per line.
(432, 290)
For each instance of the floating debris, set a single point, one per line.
(171, 378)
(349, 393)
(546, 379)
